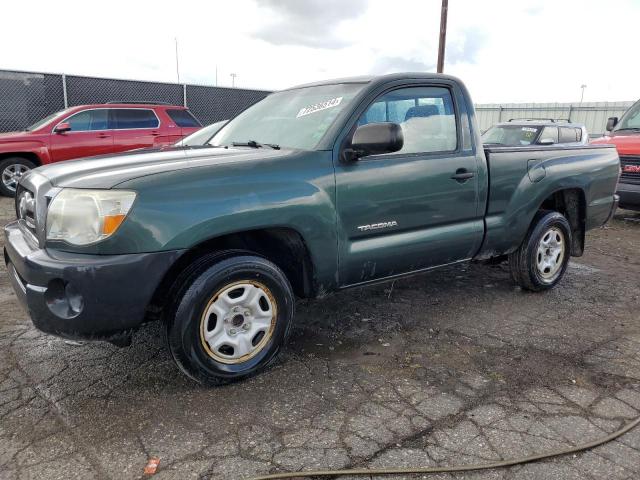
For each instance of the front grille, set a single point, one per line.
(630, 165)
(26, 208)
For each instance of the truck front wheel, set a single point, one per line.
(542, 259)
(230, 319)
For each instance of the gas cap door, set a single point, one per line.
(536, 170)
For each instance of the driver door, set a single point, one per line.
(412, 209)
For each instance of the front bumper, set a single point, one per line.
(78, 296)
(629, 195)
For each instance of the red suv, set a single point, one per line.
(625, 135)
(88, 130)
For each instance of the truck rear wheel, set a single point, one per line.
(11, 170)
(230, 319)
(542, 259)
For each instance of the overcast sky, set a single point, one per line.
(506, 51)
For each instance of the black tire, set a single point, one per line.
(523, 263)
(195, 291)
(8, 163)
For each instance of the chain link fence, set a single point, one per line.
(218, 103)
(26, 97)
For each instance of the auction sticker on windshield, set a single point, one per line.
(334, 102)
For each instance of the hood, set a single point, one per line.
(13, 135)
(107, 171)
(625, 144)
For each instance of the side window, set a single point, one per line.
(567, 135)
(634, 120)
(549, 133)
(134, 118)
(426, 115)
(183, 118)
(89, 120)
(376, 113)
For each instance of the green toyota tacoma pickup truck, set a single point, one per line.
(314, 189)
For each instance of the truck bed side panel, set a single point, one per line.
(522, 178)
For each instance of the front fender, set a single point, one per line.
(182, 209)
(37, 147)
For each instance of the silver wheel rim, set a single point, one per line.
(550, 254)
(238, 322)
(11, 175)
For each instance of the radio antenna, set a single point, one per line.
(177, 63)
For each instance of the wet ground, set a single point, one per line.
(454, 367)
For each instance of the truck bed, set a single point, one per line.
(522, 178)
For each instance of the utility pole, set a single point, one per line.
(582, 95)
(233, 79)
(443, 34)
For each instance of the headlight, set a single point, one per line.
(81, 217)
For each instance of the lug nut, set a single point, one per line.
(246, 313)
(232, 331)
(246, 326)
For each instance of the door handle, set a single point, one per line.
(103, 135)
(155, 134)
(462, 175)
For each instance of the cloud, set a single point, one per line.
(534, 9)
(312, 23)
(465, 46)
(398, 64)
(501, 49)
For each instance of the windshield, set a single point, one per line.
(291, 119)
(46, 120)
(512, 135)
(631, 118)
(202, 136)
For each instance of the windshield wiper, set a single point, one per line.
(627, 128)
(254, 144)
(250, 143)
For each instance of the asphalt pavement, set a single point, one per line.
(453, 367)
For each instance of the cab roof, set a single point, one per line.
(379, 79)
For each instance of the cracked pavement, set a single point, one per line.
(457, 366)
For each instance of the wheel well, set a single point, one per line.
(283, 246)
(572, 204)
(26, 155)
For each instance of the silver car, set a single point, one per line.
(202, 136)
(520, 132)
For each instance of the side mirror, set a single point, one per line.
(546, 141)
(376, 138)
(62, 127)
(611, 123)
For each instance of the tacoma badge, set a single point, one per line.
(377, 226)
